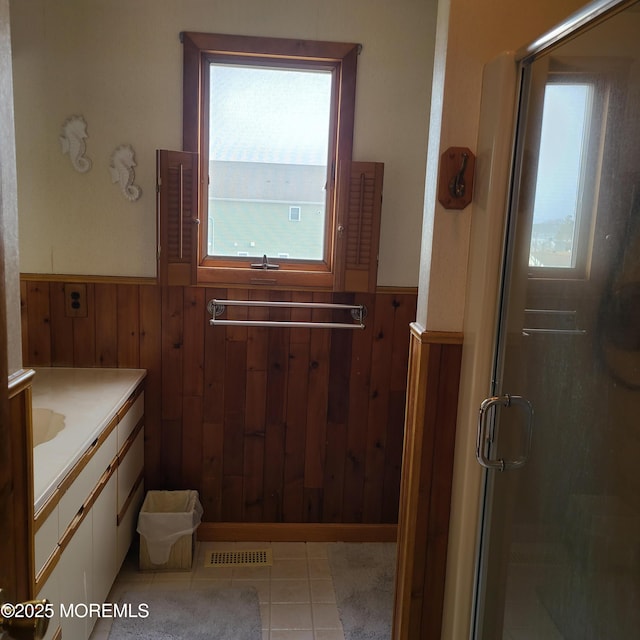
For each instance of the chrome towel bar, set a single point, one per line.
(217, 307)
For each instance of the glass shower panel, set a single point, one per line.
(560, 544)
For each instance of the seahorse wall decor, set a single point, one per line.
(122, 164)
(72, 138)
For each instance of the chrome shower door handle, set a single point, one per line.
(486, 432)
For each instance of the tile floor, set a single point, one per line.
(297, 600)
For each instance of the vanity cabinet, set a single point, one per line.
(84, 529)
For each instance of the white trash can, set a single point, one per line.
(167, 525)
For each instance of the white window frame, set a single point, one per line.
(292, 217)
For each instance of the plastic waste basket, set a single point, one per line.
(167, 525)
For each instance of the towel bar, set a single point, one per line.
(217, 307)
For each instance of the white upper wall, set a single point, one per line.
(118, 63)
(471, 33)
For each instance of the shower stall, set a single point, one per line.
(552, 358)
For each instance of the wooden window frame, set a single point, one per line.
(341, 58)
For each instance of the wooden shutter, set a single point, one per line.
(362, 227)
(177, 186)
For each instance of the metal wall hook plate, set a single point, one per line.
(455, 182)
(359, 314)
(215, 309)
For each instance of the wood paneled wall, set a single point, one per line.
(268, 424)
(423, 528)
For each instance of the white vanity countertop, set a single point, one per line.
(88, 399)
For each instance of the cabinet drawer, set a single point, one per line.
(80, 489)
(46, 540)
(130, 467)
(129, 421)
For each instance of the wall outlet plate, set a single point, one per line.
(75, 300)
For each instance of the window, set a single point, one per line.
(560, 184)
(572, 129)
(294, 214)
(269, 122)
(268, 145)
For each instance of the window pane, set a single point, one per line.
(559, 182)
(268, 150)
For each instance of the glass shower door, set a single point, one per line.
(560, 535)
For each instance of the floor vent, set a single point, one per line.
(240, 558)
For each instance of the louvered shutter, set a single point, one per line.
(177, 178)
(362, 227)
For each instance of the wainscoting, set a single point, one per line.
(423, 524)
(270, 425)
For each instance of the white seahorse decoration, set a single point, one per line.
(72, 138)
(122, 164)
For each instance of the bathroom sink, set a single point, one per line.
(47, 424)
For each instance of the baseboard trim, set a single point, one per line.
(296, 532)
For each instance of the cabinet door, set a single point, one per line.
(51, 591)
(104, 540)
(76, 582)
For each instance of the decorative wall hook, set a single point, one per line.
(455, 183)
(72, 139)
(122, 171)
